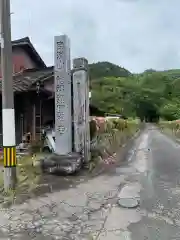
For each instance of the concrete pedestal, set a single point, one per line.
(68, 164)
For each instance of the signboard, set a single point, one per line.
(62, 85)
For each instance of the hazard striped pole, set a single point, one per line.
(8, 116)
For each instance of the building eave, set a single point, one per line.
(26, 44)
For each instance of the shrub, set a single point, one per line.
(172, 127)
(116, 133)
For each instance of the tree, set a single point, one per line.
(148, 95)
(171, 110)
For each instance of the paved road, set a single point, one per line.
(89, 210)
(160, 190)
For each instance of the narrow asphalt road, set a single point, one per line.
(160, 189)
(90, 210)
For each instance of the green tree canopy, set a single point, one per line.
(146, 95)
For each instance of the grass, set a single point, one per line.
(28, 178)
(25, 169)
(171, 128)
(1, 180)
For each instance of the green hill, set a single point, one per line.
(116, 90)
(107, 69)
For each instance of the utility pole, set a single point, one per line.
(8, 115)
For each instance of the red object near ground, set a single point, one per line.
(100, 121)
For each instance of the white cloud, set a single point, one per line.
(136, 34)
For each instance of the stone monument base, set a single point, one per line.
(67, 164)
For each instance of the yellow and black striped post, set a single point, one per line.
(10, 157)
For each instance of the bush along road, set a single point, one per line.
(171, 128)
(109, 138)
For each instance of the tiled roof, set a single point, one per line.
(23, 82)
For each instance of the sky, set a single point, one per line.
(135, 34)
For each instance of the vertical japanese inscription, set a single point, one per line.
(60, 88)
(60, 55)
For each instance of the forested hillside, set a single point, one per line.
(146, 95)
(106, 69)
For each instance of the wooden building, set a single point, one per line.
(33, 85)
(29, 70)
(25, 56)
(33, 104)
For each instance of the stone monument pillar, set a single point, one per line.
(62, 84)
(81, 107)
(63, 159)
